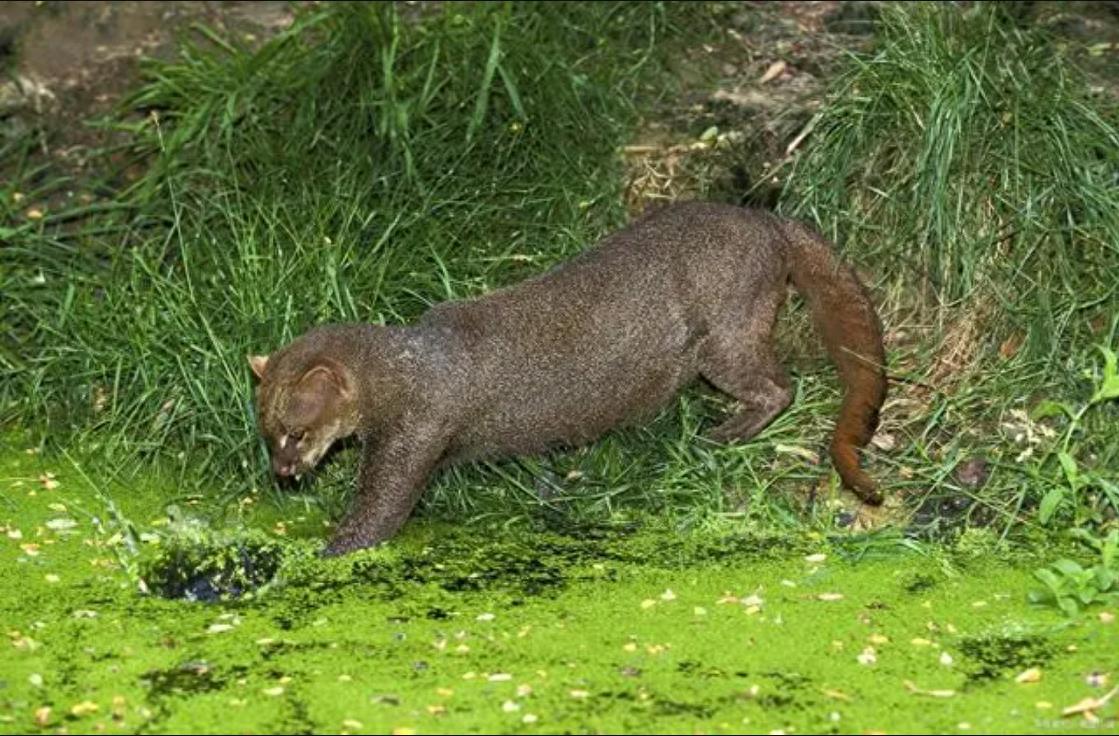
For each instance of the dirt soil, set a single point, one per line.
(64, 63)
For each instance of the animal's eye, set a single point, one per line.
(296, 435)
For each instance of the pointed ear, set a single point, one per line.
(258, 363)
(330, 373)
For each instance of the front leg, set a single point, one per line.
(391, 479)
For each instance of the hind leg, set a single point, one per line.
(738, 359)
(760, 385)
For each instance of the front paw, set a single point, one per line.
(334, 549)
(344, 543)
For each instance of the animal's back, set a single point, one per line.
(609, 336)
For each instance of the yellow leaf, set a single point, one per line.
(84, 708)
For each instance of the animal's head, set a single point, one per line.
(304, 403)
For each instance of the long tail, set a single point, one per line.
(846, 321)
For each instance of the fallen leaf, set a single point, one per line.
(1107, 617)
(775, 69)
(837, 695)
(818, 557)
(1011, 345)
(1033, 674)
(34, 214)
(30, 549)
(579, 693)
(884, 441)
(699, 611)
(500, 677)
(919, 642)
(353, 725)
(509, 706)
(1089, 704)
(486, 617)
(830, 597)
(878, 639)
(946, 659)
(43, 715)
(50, 577)
(84, 708)
(529, 718)
(35, 679)
(648, 603)
(668, 595)
(218, 628)
(273, 691)
(934, 693)
(867, 656)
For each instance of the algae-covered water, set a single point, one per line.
(451, 630)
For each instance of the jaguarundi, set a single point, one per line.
(608, 337)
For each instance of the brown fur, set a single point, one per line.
(607, 338)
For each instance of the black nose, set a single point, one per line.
(283, 469)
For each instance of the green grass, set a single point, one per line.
(970, 162)
(971, 169)
(363, 167)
